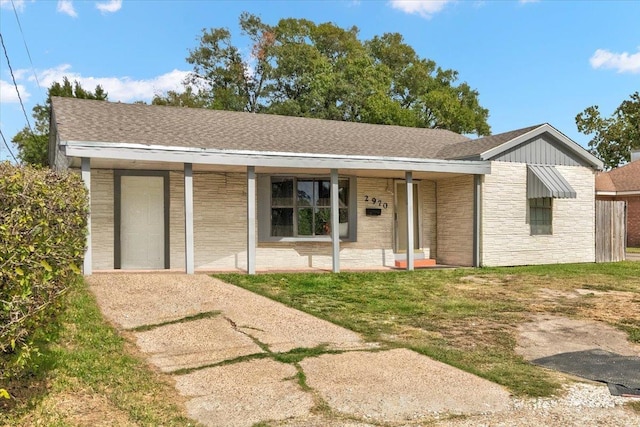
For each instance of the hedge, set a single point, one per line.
(43, 228)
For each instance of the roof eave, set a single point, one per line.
(142, 152)
(545, 128)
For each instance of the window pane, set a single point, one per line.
(282, 222)
(324, 193)
(323, 222)
(305, 193)
(343, 193)
(305, 222)
(344, 222)
(281, 191)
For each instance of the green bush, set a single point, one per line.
(43, 228)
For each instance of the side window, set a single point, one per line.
(540, 215)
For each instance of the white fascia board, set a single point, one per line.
(606, 193)
(545, 128)
(193, 155)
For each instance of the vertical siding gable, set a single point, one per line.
(543, 149)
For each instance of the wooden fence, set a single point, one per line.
(611, 230)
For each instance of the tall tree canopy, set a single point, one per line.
(613, 137)
(300, 68)
(33, 146)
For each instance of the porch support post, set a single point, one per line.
(477, 219)
(335, 221)
(86, 178)
(188, 219)
(410, 224)
(251, 220)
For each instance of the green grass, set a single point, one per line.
(462, 317)
(633, 250)
(84, 362)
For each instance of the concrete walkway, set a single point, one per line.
(241, 359)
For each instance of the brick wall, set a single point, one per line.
(102, 227)
(633, 221)
(455, 221)
(506, 238)
(220, 226)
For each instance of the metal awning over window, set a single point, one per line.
(546, 181)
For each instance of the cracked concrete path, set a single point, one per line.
(240, 358)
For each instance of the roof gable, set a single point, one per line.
(542, 144)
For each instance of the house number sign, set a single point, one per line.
(375, 201)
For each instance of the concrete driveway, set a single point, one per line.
(240, 359)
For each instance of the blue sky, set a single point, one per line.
(531, 61)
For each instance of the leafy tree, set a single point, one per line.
(185, 99)
(613, 137)
(300, 68)
(33, 146)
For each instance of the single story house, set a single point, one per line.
(623, 183)
(195, 189)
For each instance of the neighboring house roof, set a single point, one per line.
(490, 147)
(83, 120)
(622, 179)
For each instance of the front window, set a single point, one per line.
(540, 215)
(301, 207)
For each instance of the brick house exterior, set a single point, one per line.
(623, 183)
(190, 189)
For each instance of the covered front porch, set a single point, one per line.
(220, 212)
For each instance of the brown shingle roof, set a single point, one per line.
(473, 149)
(624, 178)
(101, 121)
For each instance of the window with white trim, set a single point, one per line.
(300, 207)
(541, 215)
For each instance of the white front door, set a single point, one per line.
(401, 217)
(142, 222)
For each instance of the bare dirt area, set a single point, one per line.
(547, 335)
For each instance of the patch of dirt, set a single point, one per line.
(80, 408)
(547, 335)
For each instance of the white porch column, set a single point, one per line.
(335, 221)
(477, 220)
(86, 178)
(410, 224)
(189, 261)
(251, 220)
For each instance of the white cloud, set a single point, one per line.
(528, 1)
(66, 7)
(8, 93)
(19, 5)
(621, 62)
(424, 8)
(122, 89)
(109, 6)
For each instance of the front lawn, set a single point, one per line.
(464, 317)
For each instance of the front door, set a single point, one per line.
(142, 222)
(401, 217)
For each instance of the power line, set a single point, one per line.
(26, 47)
(15, 84)
(8, 148)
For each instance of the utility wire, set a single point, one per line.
(8, 147)
(33, 70)
(6, 55)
